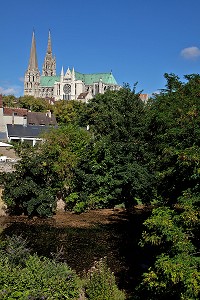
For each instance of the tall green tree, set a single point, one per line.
(173, 134)
(173, 228)
(115, 168)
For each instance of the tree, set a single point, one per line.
(173, 135)
(173, 233)
(33, 104)
(43, 171)
(9, 100)
(72, 111)
(173, 83)
(115, 168)
(172, 230)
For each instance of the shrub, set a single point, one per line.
(100, 283)
(15, 249)
(41, 278)
(25, 276)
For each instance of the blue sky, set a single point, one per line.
(138, 40)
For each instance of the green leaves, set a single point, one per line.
(44, 171)
(115, 168)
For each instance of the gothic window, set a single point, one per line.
(67, 89)
(96, 89)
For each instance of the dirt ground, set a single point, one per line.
(83, 220)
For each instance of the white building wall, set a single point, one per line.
(17, 120)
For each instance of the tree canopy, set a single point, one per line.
(133, 152)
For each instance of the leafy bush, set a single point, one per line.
(25, 276)
(15, 249)
(100, 283)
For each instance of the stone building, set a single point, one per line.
(69, 85)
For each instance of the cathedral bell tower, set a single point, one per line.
(49, 66)
(32, 75)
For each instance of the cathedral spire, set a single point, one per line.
(49, 49)
(49, 66)
(32, 74)
(33, 64)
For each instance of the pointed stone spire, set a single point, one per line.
(68, 73)
(62, 72)
(49, 65)
(62, 75)
(73, 74)
(33, 64)
(49, 49)
(32, 75)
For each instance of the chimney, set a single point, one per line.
(24, 121)
(48, 114)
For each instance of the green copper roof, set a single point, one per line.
(106, 78)
(48, 80)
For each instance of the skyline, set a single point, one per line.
(138, 41)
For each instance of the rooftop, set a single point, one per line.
(29, 131)
(88, 79)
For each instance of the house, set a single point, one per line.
(19, 124)
(30, 134)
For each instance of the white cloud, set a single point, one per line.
(190, 52)
(11, 90)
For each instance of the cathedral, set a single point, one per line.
(69, 85)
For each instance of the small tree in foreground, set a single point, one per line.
(100, 283)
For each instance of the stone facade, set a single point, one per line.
(69, 85)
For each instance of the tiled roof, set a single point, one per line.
(8, 111)
(28, 131)
(39, 118)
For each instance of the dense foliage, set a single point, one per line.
(28, 102)
(43, 171)
(173, 228)
(100, 283)
(27, 276)
(134, 152)
(70, 112)
(115, 168)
